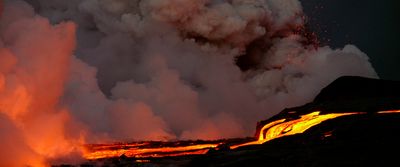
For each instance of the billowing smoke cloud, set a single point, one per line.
(155, 69)
(34, 65)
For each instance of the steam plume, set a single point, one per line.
(155, 69)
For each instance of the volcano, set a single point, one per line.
(353, 121)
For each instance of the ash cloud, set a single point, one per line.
(158, 69)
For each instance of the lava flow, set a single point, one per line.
(147, 149)
(280, 128)
(389, 112)
(275, 129)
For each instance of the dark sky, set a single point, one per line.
(371, 25)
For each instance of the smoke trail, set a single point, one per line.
(156, 69)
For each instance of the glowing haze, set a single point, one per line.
(81, 71)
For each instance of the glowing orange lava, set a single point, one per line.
(275, 129)
(280, 128)
(389, 112)
(138, 152)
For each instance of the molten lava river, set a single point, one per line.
(272, 130)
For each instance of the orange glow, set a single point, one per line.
(134, 150)
(328, 134)
(261, 134)
(280, 128)
(142, 161)
(275, 129)
(389, 112)
(299, 125)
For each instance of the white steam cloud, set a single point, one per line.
(155, 69)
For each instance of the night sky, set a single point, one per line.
(371, 25)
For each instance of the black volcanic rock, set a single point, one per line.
(349, 94)
(364, 140)
(351, 87)
(358, 94)
(368, 139)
